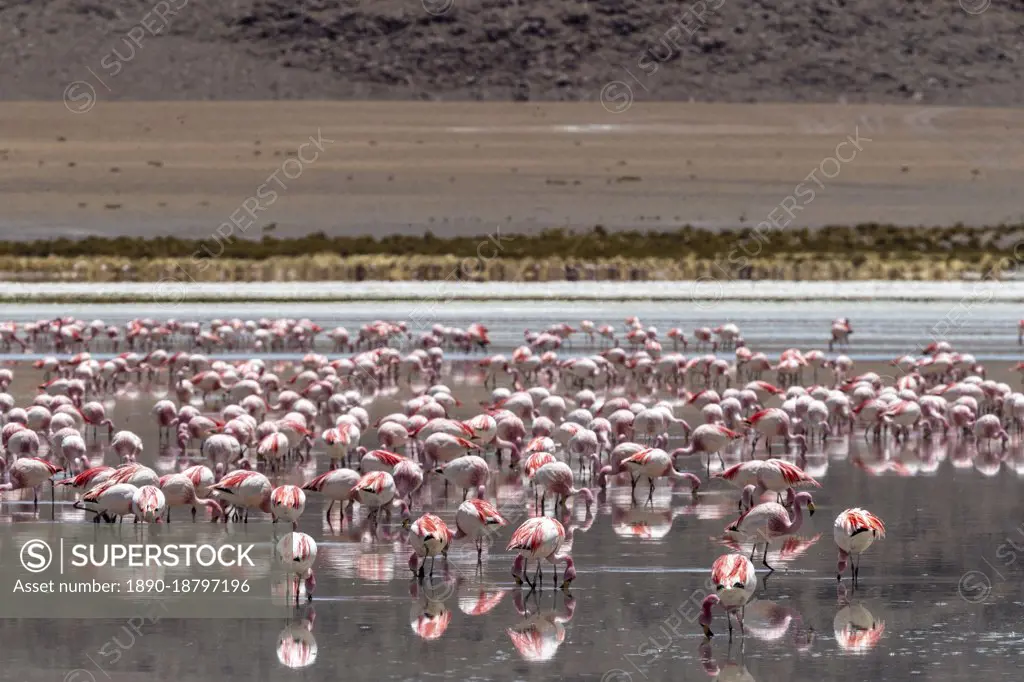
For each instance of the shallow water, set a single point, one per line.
(923, 606)
(882, 330)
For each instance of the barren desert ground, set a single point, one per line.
(184, 168)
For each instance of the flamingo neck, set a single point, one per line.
(798, 519)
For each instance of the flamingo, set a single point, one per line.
(32, 472)
(287, 502)
(375, 490)
(735, 582)
(476, 519)
(540, 538)
(771, 474)
(244, 490)
(149, 504)
(180, 491)
(428, 536)
(770, 520)
(773, 422)
(88, 479)
(655, 463)
(336, 485)
(467, 472)
(297, 553)
(841, 330)
(708, 439)
(854, 531)
(126, 445)
(556, 478)
(95, 415)
(108, 499)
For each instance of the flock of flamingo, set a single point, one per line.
(237, 438)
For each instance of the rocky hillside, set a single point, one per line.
(933, 51)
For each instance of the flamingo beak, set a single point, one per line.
(810, 508)
(406, 524)
(707, 631)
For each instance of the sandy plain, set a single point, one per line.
(185, 168)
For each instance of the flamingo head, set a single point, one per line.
(709, 602)
(841, 564)
(518, 566)
(587, 495)
(570, 573)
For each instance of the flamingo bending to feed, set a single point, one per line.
(108, 499)
(776, 475)
(32, 472)
(708, 439)
(287, 502)
(556, 478)
(540, 538)
(467, 472)
(88, 479)
(854, 531)
(297, 553)
(770, 520)
(180, 491)
(428, 536)
(476, 519)
(244, 489)
(336, 485)
(375, 490)
(654, 463)
(149, 504)
(773, 422)
(735, 582)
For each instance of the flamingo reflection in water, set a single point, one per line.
(296, 646)
(726, 672)
(856, 629)
(542, 631)
(429, 617)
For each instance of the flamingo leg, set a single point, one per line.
(764, 559)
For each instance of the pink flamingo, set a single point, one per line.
(556, 478)
(244, 490)
(771, 474)
(429, 536)
(468, 472)
(735, 582)
(32, 472)
(854, 531)
(655, 463)
(708, 439)
(287, 502)
(770, 520)
(540, 538)
(126, 445)
(773, 422)
(95, 415)
(375, 490)
(841, 330)
(988, 427)
(180, 491)
(336, 485)
(477, 519)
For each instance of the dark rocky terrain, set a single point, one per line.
(929, 51)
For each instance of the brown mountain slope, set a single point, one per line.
(932, 51)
